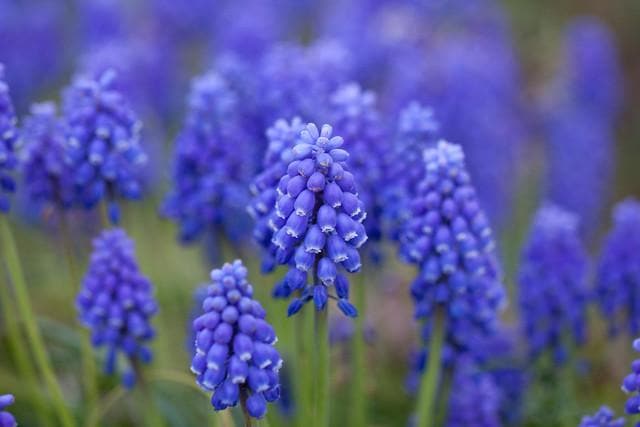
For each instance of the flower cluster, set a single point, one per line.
(416, 131)
(282, 137)
(580, 114)
(8, 140)
(552, 284)
(631, 384)
(102, 143)
(317, 222)
(298, 81)
(6, 419)
(116, 303)
(235, 357)
(47, 176)
(603, 418)
(475, 399)
(213, 162)
(618, 279)
(448, 237)
(355, 117)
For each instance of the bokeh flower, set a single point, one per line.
(282, 136)
(8, 142)
(552, 286)
(213, 163)
(116, 303)
(6, 419)
(603, 418)
(618, 279)
(47, 175)
(102, 143)
(449, 239)
(415, 131)
(235, 357)
(631, 384)
(317, 223)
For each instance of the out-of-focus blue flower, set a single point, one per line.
(631, 384)
(47, 176)
(213, 163)
(116, 303)
(475, 399)
(449, 239)
(235, 357)
(298, 81)
(187, 21)
(33, 47)
(317, 223)
(8, 141)
(6, 419)
(579, 116)
(355, 117)
(603, 418)
(102, 143)
(101, 21)
(552, 276)
(415, 131)
(618, 279)
(282, 137)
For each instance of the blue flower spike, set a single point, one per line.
(235, 357)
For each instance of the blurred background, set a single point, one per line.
(502, 78)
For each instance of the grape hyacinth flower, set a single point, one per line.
(475, 398)
(116, 303)
(47, 176)
(213, 163)
(317, 223)
(581, 108)
(102, 143)
(631, 384)
(8, 142)
(416, 131)
(282, 137)
(449, 239)
(235, 357)
(552, 277)
(618, 278)
(603, 418)
(6, 419)
(356, 118)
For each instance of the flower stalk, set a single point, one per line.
(426, 414)
(358, 384)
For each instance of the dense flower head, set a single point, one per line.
(415, 131)
(475, 398)
(631, 384)
(298, 81)
(603, 418)
(317, 222)
(6, 419)
(8, 142)
(116, 303)
(552, 285)
(355, 117)
(47, 176)
(102, 142)
(235, 357)
(213, 161)
(618, 278)
(448, 237)
(282, 137)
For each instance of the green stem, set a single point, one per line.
(443, 401)
(427, 396)
(25, 311)
(24, 367)
(320, 414)
(153, 416)
(248, 421)
(358, 385)
(303, 361)
(89, 375)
